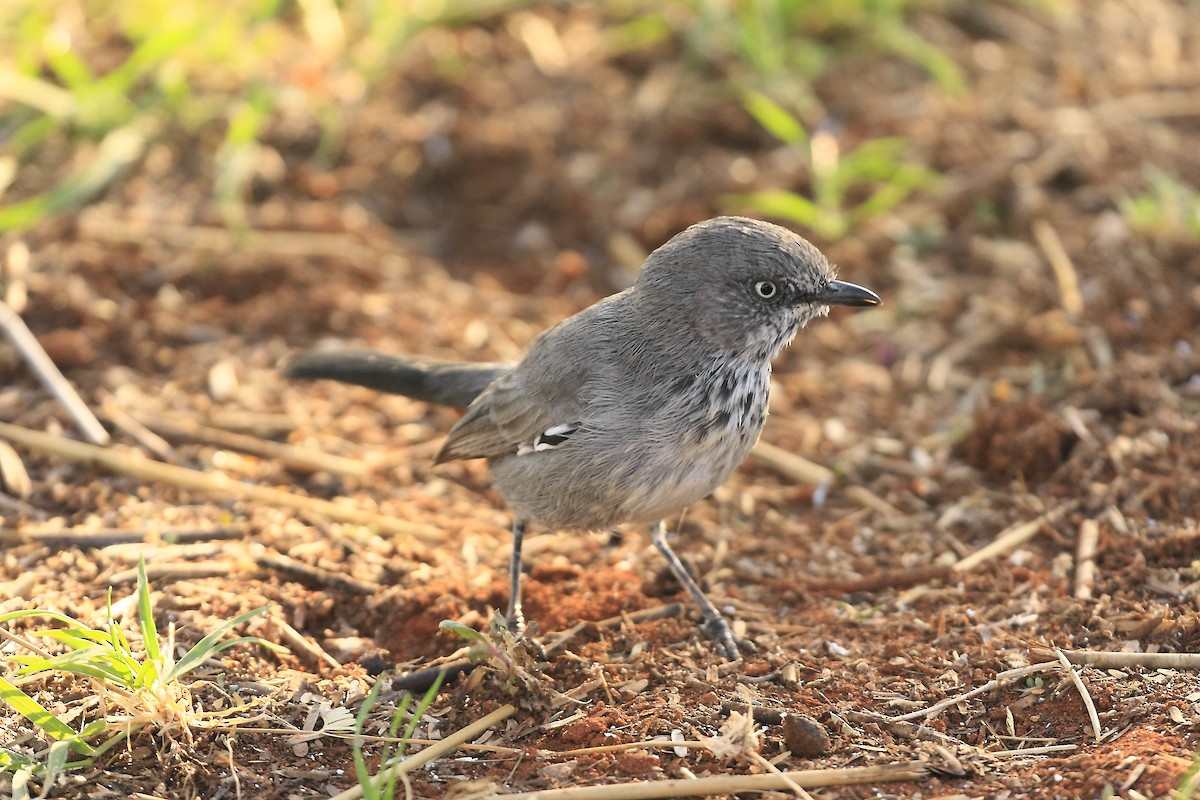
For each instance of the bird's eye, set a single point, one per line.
(765, 289)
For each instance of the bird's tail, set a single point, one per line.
(448, 383)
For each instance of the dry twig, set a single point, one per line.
(106, 537)
(557, 640)
(273, 560)
(188, 570)
(1083, 692)
(1103, 659)
(731, 784)
(1060, 262)
(300, 458)
(1085, 558)
(299, 644)
(27, 345)
(135, 430)
(791, 465)
(992, 685)
(451, 742)
(1013, 537)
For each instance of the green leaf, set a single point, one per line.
(147, 675)
(784, 205)
(774, 119)
(463, 631)
(56, 760)
(11, 761)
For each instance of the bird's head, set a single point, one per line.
(741, 285)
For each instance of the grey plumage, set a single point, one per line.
(641, 404)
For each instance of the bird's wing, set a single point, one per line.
(514, 416)
(535, 406)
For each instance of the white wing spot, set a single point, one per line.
(549, 439)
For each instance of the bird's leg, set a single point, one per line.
(514, 618)
(714, 625)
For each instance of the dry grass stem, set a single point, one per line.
(300, 458)
(135, 430)
(909, 730)
(1012, 537)
(303, 647)
(35, 356)
(1085, 558)
(295, 244)
(106, 537)
(731, 784)
(868, 499)
(791, 465)
(1060, 262)
(1109, 660)
(993, 684)
(1083, 693)
(210, 483)
(187, 570)
(557, 640)
(1033, 751)
(441, 748)
(21, 507)
(275, 561)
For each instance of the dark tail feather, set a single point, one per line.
(447, 383)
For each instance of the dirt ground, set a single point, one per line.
(1035, 362)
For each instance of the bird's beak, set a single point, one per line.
(841, 293)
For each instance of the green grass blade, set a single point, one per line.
(36, 713)
(146, 613)
(118, 150)
(74, 638)
(205, 648)
(782, 204)
(44, 96)
(365, 781)
(91, 662)
(27, 613)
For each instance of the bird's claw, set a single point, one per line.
(717, 629)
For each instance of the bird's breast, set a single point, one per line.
(698, 439)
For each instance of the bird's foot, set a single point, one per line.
(717, 629)
(515, 625)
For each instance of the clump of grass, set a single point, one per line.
(382, 785)
(781, 46)
(138, 689)
(103, 81)
(875, 171)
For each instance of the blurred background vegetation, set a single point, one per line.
(88, 87)
(502, 133)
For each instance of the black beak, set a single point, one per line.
(840, 293)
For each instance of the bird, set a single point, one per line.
(637, 406)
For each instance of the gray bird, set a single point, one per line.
(637, 406)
